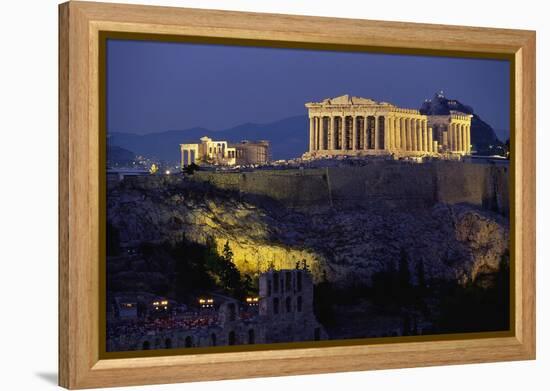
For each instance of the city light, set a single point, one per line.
(206, 303)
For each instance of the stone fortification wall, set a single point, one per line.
(393, 184)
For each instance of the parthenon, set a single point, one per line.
(356, 126)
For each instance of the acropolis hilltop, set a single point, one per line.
(355, 126)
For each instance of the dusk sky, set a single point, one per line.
(156, 86)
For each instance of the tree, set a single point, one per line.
(227, 253)
(305, 266)
(191, 168)
(226, 271)
(154, 169)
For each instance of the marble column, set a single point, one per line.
(394, 133)
(417, 141)
(376, 130)
(408, 143)
(424, 135)
(430, 140)
(468, 141)
(403, 124)
(342, 132)
(388, 136)
(333, 132)
(311, 133)
(418, 135)
(321, 133)
(354, 129)
(397, 131)
(414, 128)
(463, 138)
(457, 140)
(317, 133)
(436, 146)
(451, 137)
(413, 135)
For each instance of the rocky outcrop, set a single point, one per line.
(455, 242)
(482, 134)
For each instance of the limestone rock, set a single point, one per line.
(454, 242)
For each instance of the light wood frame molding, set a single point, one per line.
(80, 365)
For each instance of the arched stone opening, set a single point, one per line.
(232, 312)
(188, 341)
(231, 338)
(275, 305)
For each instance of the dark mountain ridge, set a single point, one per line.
(288, 138)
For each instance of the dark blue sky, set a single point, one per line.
(157, 86)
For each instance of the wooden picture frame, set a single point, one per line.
(80, 189)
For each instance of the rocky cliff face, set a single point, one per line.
(456, 242)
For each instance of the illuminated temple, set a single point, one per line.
(223, 153)
(355, 126)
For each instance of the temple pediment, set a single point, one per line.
(351, 100)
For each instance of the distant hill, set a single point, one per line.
(288, 138)
(118, 156)
(482, 134)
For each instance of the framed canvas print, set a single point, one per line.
(247, 195)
